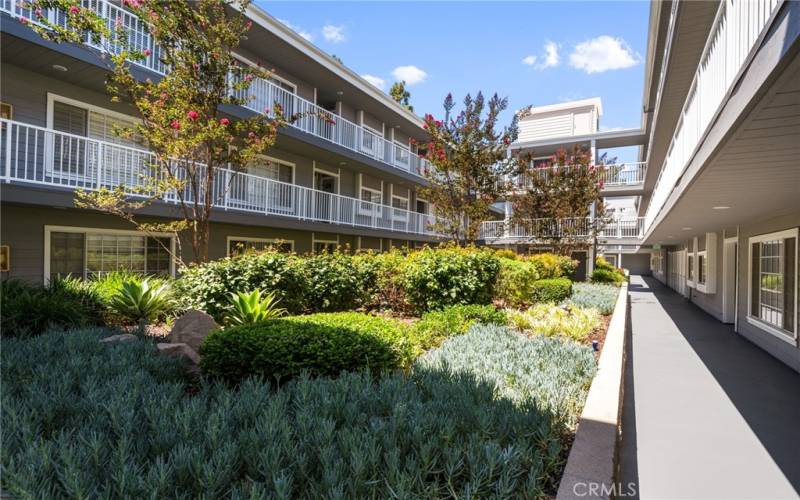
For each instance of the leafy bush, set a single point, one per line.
(606, 276)
(207, 286)
(250, 308)
(597, 296)
(515, 283)
(281, 349)
(436, 326)
(552, 290)
(138, 301)
(550, 265)
(434, 279)
(387, 291)
(444, 431)
(332, 282)
(552, 320)
(32, 309)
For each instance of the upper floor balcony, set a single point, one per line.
(618, 179)
(262, 95)
(40, 156)
(628, 229)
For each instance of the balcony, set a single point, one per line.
(40, 156)
(543, 230)
(263, 94)
(621, 179)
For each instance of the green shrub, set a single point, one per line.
(32, 309)
(436, 326)
(448, 430)
(207, 286)
(598, 296)
(606, 276)
(552, 290)
(550, 265)
(515, 283)
(387, 291)
(552, 320)
(434, 279)
(281, 349)
(248, 308)
(137, 301)
(332, 282)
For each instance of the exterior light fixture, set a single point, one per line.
(59, 67)
(720, 207)
(686, 228)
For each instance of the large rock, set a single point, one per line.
(123, 337)
(183, 351)
(192, 328)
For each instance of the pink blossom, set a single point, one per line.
(175, 124)
(193, 115)
(147, 52)
(38, 12)
(224, 122)
(251, 135)
(163, 96)
(248, 78)
(266, 110)
(118, 22)
(196, 66)
(74, 9)
(249, 24)
(23, 20)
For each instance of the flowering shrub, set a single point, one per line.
(64, 427)
(553, 320)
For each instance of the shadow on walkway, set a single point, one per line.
(764, 391)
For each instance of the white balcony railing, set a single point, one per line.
(737, 27)
(544, 229)
(37, 155)
(613, 176)
(263, 94)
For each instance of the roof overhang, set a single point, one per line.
(602, 140)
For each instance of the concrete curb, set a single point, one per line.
(591, 465)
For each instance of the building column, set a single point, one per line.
(507, 219)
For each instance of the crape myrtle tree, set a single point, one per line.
(556, 201)
(469, 157)
(180, 121)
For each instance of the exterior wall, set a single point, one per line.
(636, 263)
(782, 349)
(711, 302)
(22, 227)
(561, 123)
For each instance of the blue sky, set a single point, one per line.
(532, 52)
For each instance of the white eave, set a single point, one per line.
(562, 106)
(603, 140)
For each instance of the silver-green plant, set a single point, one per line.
(248, 308)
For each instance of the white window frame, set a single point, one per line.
(93, 230)
(758, 323)
(691, 270)
(315, 240)
(336, 174)
(368, 212)
(402, 217)
(250, 239)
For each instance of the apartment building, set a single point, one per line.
(717, 186)
(351, 181)
(542, 131)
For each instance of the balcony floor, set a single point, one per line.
(706, 414)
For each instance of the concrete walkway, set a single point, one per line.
(706, 413)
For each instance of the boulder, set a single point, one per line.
(192, 328)
(181, 350)
(123, 337)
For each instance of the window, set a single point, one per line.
(325, 246)
(6, 111)
(238, 245)
(252, 191)
(372, 196)
(702, 268)
(690, 268)
(400, 205)
(86, 252)
(773, 282)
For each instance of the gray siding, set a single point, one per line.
(636, 263)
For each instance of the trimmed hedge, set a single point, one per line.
(322, 344)
(481, 418)
(436, 326)
(552, 290)
(515, 283)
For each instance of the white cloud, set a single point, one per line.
(606, 128)
(333, 33)
(375, 80)
(300, 31)
(551, 58)
(409, 74)
(529, 60)
(603, 53)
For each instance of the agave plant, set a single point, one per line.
(253, 307)
(141, 302)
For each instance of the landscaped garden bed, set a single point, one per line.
(455, 372)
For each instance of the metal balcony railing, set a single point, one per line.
(262, 94)
(613, 176)
(35, 155)
(575, 228)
